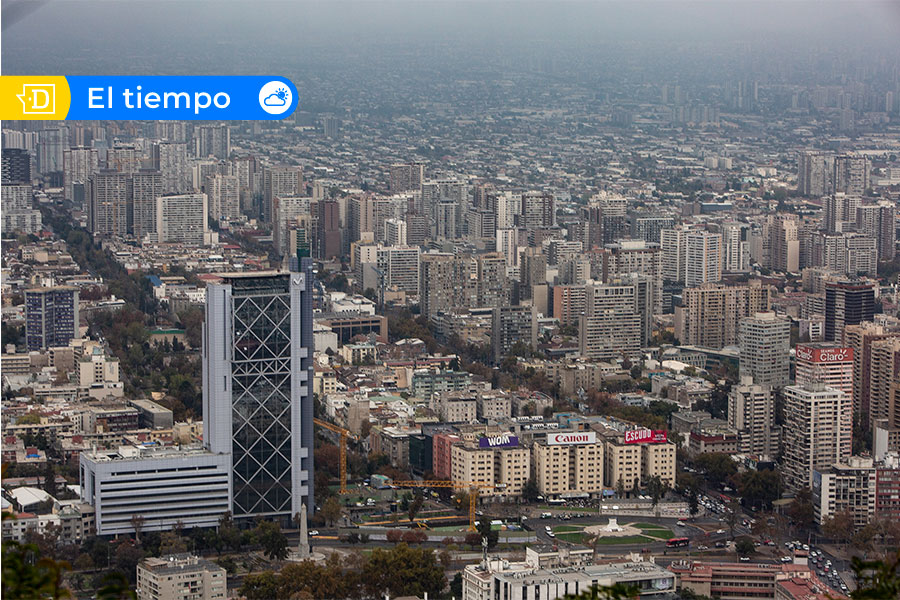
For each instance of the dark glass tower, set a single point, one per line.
(257, 400)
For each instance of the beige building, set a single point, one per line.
(710, 314)
(180, 577)
(659, 459)
(507, 468)
(818, 429)
(635, 463)
(568, 470)
(883, 370)
(751, 412)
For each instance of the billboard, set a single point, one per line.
(824, 355)
(646, 436)
(568, 439)
(498, 441)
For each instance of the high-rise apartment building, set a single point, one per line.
(78, 165)
(784, 243)
(224, 197)
(512, 324)
(407, 176)
(751, 412)
(765, 343)
(840, 211)
(861, 338)
(146, 187)
(649, 228)
(736, 247)
(847, 302)
(280, 181)
(710, 314)
(108, 197)
(818, 429)
(329, 229)
(564, 467)
(182, 219)
(16, 166)
(538, 210)
(702, 258)
(171, 160)
(395, 232)
(212, 140)
(180, 577)
(878, 221)
(815, 174)
(615, 318)
(257, 396)
(287, 209)
(51, 317)
(851, 174)
(884, 369)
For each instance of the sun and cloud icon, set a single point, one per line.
(275, 98)
(279, 98)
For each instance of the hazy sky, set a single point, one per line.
(131, 37)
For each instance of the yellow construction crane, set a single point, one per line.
(342, 445)
(473, 486)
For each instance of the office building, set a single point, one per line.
(163, 486)
(257, 401)
(847, 302)
(180, 577)
(741, 580)
(15, 166)
(328, 229)
(146, 187)
(765, 342)
(818, 427)
(224, 197)
(51, 317)
(825, 362)
(182, 219)
(52, 142)
(710, 314)
(751, 412)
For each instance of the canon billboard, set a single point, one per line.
(498, 441)
(824, 355)
(646, 436)
(568, 439)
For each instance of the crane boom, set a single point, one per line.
(342, 446)
(473, 486)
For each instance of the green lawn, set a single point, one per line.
(647, 526)
(662, 534)
(567, 528)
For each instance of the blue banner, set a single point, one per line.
(165, 98)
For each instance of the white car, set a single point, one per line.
(786, 559)
(314, 532)
(551, 534)
(720, 531)
(547, 528)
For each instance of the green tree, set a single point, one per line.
(693, 503)
(801, 510)
(718, 467)
(403, 571)
(760, 487)
(331, 510)
(744, 546)
(876, 579)
(530, 491)
(483, 526)
(657, 489)
(274, 543)
(260, 586)
(26, 574)
(416, 505)
(839, 526)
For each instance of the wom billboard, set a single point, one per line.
(568, 439)
(646, 436)
(498, 441)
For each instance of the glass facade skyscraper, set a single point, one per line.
(257, 400)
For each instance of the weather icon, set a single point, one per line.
(275, 98)
(279, 98)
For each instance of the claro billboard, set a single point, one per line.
(568, 439)
(824, 355)
(646, 436)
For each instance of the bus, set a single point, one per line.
(678, 542)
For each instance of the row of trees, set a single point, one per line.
(397, 571)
